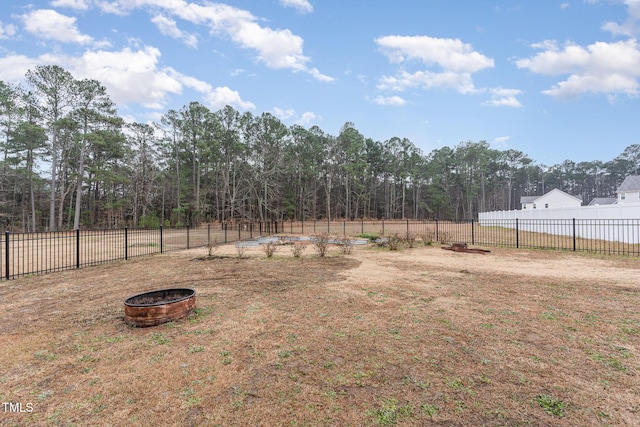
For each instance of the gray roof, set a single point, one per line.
(630, 183)
(602, 201)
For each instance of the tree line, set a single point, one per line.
(70, 161)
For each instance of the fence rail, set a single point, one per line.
(33, 253)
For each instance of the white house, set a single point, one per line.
(554, 199)
(629, 190)
(603, 201)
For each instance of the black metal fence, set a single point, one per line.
(33, 253)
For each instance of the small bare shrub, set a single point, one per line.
(394, 242)
(428, 237)
(321, 243)
(410, 239)
(212, 247)
(240, 250)
(444, 237)
(346, 245)
(270, 249)
(298, 248)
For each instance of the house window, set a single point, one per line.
(622, 196)
(524, 206)
(534, 206)
(546, 205)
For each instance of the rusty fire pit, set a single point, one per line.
(161, 306)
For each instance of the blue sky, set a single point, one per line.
(555, 79)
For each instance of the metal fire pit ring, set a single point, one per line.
(160, 306)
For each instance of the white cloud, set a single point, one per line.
(190, 82)
(450, 63)
(134, 76)
(222, 96)
(600, 68)
(302, 6)
(7, 31)
(501, 97)
(630, 26)
(389, 100)
(303, 120)
(319, 76)
(307, 118)
(461, 82)
(14, 67)
(500, 142)
(283, 114)
(71, 4)
(130, 76)
(448, 54)
(277, 49)
(168, 27)
(112, 7)
(51, 25)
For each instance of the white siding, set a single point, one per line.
(554, 199)
(629, 197)
(558, 221)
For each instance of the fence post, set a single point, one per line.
(302, 225)
(437, 238)
(239, 231)
(126, 243)
(187, 237)
(383, 226)
(208, 233)
(6, 254)
(361, 225)
(473, 238)
(77, 248)
(161, 239)
(344, 228)
(407, 227)
(517, 235)
(574, 234)
(224, 225)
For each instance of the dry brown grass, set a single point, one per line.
(377, 337)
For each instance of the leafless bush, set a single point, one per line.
(410, 239)
(270, 249)
(297, 249)
(321, 243)
(428, 237)
(394, 242)
(240, 250)
(212, 247)
(346, 245)
(444, 237)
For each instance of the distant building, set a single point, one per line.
(602, 201)
(629, 190)
(554, 199)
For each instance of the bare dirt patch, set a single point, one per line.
(412, 337)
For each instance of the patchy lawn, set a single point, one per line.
(378, 337)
